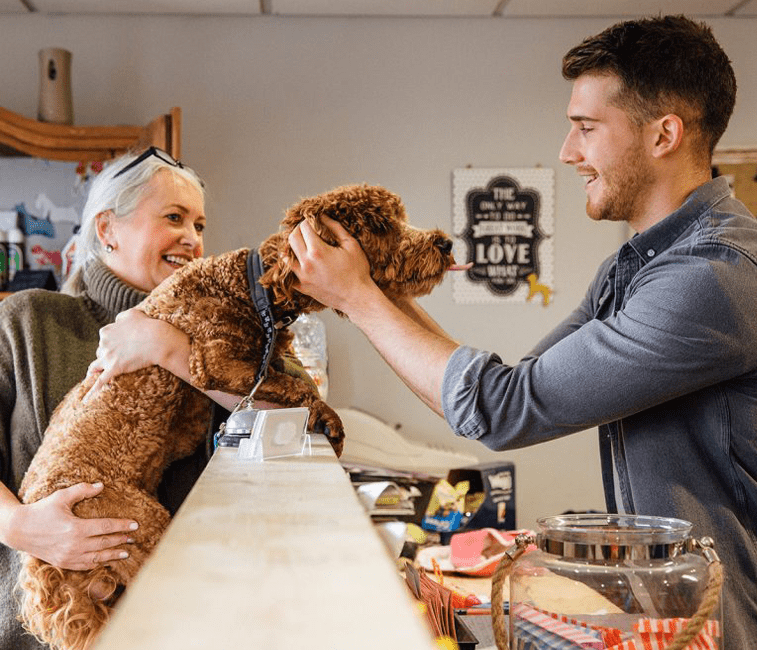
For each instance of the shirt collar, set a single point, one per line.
(665, 233)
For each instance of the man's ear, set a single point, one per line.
(667, 135)
(104, 226)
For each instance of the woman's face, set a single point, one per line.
(162, 234)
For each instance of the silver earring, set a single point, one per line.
(108, 248)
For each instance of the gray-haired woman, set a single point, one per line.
(143, 219)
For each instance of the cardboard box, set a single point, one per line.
(497, 482)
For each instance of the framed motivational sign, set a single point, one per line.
(503, 221)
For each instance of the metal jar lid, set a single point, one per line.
(603, 537)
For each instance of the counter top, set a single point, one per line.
(273, 555)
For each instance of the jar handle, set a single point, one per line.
(498, 582)
(710, 599)
(679, 642)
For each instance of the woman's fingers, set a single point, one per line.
(50, 530)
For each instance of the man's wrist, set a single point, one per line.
(365, 305)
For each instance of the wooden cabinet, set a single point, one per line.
(21, 135)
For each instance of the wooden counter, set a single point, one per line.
(269, 556)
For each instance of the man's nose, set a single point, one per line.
(569, 153)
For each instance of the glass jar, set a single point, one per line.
(617, 582)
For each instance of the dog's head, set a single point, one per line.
(404, 261)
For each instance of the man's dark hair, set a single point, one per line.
(667, 64)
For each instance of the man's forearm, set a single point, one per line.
(410, 342)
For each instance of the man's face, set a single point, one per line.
(607, 149)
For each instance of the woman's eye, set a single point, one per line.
(175, 217)
(199, 227)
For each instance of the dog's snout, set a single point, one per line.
(443, 244)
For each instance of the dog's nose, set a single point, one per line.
(443, 244)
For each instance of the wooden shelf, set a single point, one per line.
(21, 135)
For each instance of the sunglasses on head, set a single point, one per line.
(152, 151)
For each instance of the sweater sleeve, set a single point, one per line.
(7, 395)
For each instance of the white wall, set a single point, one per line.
(275, 109)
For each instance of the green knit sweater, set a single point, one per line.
(47, 341)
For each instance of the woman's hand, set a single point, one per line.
(136, 341)
(49, 530)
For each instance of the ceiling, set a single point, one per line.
(406, 8)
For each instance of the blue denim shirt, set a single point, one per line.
(661, 355)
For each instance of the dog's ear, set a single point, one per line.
(278, 276)
(311, 210)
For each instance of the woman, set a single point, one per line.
(144, 218)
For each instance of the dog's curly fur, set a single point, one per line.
(131, 430)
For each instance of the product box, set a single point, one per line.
(491, 495)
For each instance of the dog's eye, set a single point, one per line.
(443, 244)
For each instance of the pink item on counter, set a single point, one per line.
(477, 552)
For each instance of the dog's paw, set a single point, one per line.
(323, 419)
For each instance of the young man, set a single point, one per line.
(662, 352)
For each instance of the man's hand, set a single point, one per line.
(336, 276)
(49, 530)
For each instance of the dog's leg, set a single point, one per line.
(223, 364)
(125, 500)
(190, 424)
(215, 365)
(286, 390)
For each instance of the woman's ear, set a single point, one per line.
(104, 223)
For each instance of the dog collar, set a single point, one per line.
(262, 302)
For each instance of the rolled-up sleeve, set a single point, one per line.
(460, 390)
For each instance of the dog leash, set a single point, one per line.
(262, 301)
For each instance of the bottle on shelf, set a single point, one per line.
(310, 347)
(15, 251)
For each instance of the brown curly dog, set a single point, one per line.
(127, 434)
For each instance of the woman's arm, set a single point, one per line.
(137, 341)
